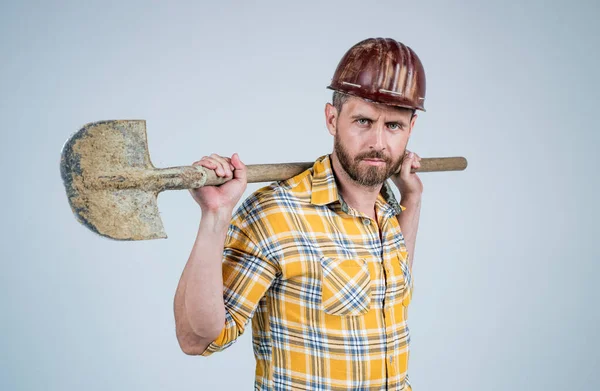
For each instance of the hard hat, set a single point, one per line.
(382, 70)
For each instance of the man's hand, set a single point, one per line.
(409, 184)
(411, 188)
(224, 197)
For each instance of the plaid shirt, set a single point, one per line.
(327, 288)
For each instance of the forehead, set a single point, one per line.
(354, 106)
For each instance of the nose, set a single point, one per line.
(376, 140)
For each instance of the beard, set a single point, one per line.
(368, 176)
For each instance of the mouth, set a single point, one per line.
(374, 162)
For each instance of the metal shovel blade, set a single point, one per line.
(111, 151)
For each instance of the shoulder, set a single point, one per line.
(276, 198)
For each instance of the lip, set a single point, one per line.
(374, 161)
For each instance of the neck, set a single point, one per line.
(357, 196)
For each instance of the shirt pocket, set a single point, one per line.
(407, 278)
(346, 286)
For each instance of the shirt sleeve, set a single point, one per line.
(247, 275)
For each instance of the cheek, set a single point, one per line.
(352, 141)
(360, 140)
(397, 144)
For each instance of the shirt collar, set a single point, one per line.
(325, 191)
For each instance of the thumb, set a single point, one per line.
(239, 171)
(407, 165)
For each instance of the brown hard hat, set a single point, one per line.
(382, 70)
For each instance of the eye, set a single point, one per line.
(394, 126)
(363, 121)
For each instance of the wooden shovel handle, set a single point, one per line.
(282, 171)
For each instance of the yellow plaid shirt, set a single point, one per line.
(327, 288)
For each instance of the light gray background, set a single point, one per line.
(506, 264)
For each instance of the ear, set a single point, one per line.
(331, 115)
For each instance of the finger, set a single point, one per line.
(198, 162)
(405, 156)
(223, 169)
(205, 162)
(415, 160)
(209, 163)
(225, 162)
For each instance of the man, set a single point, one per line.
(318, 262)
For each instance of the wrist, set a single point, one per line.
(410, 199)
(216, 220)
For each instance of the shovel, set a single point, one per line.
(112, 185)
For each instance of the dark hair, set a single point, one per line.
(339, 98)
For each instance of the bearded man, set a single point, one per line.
(320, 263)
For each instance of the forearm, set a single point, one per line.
(199, 308)
(409, 223)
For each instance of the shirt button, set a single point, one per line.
(366, 221)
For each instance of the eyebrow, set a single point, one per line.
(359, 115)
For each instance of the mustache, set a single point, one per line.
(374, 155)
